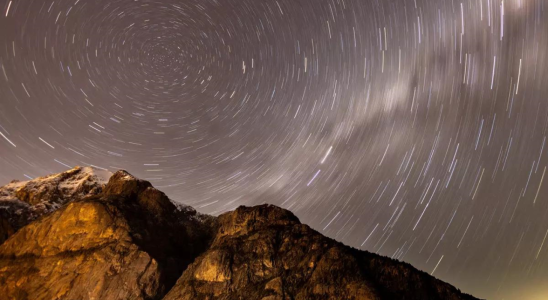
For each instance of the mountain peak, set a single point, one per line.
(124, 184)
(66, 184)
(128, 241)
(124, 239)
(25, 201)
(246, 219)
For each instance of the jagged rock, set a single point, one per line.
(129, 242)
(264, 252)
(21, 202)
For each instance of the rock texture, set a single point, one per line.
(129, 241)
(264, 252)
(21, 202)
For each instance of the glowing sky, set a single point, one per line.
(415, 129)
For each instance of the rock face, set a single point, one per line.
(23, 202)
(264, 252)
(129, 241)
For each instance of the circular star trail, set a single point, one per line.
(413, 129)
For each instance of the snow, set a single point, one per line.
(67, 185)
(86, 176)
(102, 176)
(53, 191)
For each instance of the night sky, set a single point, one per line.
(415, 129)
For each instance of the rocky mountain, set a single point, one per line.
(127, 240)
(21, 202)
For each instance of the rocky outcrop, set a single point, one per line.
(264, 252)
(129, 241)
(24, 202)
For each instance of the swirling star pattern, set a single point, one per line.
(415, 129)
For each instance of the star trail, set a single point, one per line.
(415, 129)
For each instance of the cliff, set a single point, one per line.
(127, 240)
(21, 202)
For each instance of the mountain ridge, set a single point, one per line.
(128, 240)
(21, 202)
